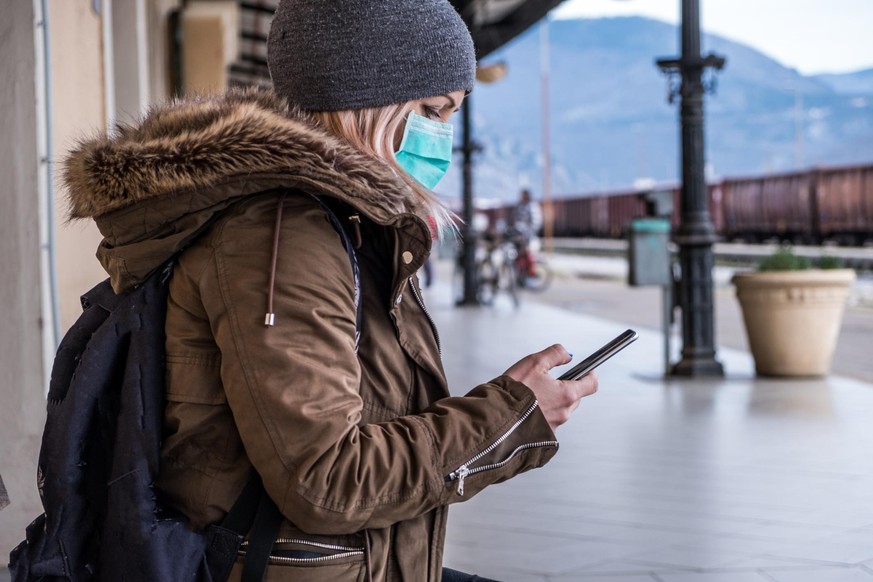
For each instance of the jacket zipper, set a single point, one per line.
(420, 300)
(464, 471)
(344, 552)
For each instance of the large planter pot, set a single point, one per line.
(793, 318)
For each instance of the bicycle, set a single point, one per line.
(496, 272)
(505, 263)
(533, 271)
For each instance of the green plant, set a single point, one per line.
(784, 260)
(829, 262)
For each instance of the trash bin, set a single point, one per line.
(649, 253)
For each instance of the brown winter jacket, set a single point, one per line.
(362, 451)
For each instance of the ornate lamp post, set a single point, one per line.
(468, 233)
(696, 234)
(487, 74)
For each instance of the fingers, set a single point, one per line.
(553, 356)
(586, 385)
(571, 396)
(575, 390)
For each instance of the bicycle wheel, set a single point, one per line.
(541, 278)
(486, 282)
(458, 282)
(508, 278)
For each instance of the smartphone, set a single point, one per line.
(600, 356)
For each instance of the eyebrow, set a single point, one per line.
(452, 102)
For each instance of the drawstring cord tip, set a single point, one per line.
(270, 320)
(355, 219)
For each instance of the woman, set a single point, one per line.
(349, 423)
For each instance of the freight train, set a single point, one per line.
(809, 207)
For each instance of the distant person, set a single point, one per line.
(527, 216)
(526, 220)
(351, 427)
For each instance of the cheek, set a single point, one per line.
(398, 135)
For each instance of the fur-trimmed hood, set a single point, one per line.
(152, 186)
(207, 141)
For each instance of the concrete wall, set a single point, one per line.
(141, 60)
(22, 411)
(130, 58)
(158, 34)
(79, 110)
(210, 29)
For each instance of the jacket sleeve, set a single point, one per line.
(294, 388)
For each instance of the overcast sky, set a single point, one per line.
(812, 36)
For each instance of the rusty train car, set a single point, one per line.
(823, 204)
(812, 207)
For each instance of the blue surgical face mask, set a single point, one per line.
(426, 149)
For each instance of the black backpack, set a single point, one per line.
(100, 454)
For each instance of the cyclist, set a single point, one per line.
(525, 222)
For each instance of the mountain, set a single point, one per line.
(611, 124)
(857, 83)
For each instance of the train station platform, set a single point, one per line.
(733, 479)
(736, 479)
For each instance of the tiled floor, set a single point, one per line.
(733, 480)
(730, 480)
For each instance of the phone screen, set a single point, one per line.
(600, 356)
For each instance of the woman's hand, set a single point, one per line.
(557, 399)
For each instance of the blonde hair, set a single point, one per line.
(372, 131)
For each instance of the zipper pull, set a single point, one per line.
(462, 473)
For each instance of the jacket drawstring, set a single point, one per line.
(355, 219)
(270, 319)
(368, 552)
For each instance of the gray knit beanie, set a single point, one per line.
(329, 55)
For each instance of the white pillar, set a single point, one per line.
(22, 408)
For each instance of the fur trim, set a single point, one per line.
(202, 142)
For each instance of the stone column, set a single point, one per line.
(22, 404)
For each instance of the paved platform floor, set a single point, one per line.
(730, 480)
(598, 285)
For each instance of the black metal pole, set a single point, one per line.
(696, 234)
(468, 252)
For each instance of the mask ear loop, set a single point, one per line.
(405, 130)
(405, 118)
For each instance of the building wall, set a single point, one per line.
(159, 41)
(140, 72)
(22, 411)
(79, 109)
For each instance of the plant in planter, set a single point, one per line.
(793, 312)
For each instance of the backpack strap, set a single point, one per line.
(224, 540)
(353, 260)
(254, 513)
(261, 539)
(240, 517)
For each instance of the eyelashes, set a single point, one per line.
(431, 113)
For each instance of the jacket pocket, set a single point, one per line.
(195, 378)
(498, 454)
(300, 559)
